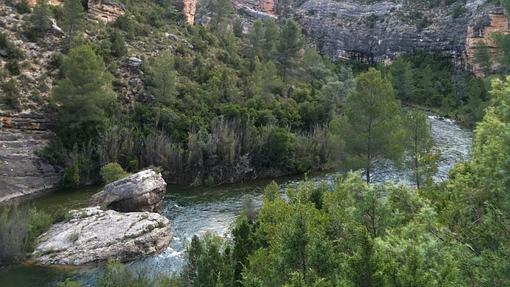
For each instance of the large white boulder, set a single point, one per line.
(92, 236)
(142, 191)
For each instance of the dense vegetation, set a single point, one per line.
(223, 106)
(220, 105)
(355, 234)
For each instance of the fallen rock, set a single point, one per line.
(93, 236)
(134, 62)
(142, 191)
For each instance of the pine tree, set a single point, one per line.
(73, 14)
(39, 22)
(483, 58)
(83, 96)
(402, 76)
(118, 47)
(256, 38)
(271, 36)
(422, 158)
(372, 122)
(289, 47)
(162, 78)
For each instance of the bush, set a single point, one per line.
(12, 51)
(69, 283)
(112, 172)
(13, 67)
(11, 94)
(117, 275)
(19, 227)
(23, 7)
(72, 175)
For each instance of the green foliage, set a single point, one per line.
(483, 58)
(162, 78)
(19, 227)
(288, 47)
(474, 203)
(72, 21)
(82, 97)
(209, 262)
(68, 283)
(433, 82)
(10, 95)
(117, 275)
(39, 21)
(403, 82)
(12, 51)
(506, 4)
(118, 46)
(112, 172)
(372, 122)
(422, 158)
(13, 67)
(23, 7)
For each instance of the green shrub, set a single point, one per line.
(19, 227)
(13, 67)
(112, 172)
(72, 175)
(69, 283)
(12, 51)
(23, 7)
(10, 95)
(117, 275)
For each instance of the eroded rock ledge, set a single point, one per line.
(93, 236)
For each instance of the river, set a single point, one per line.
(195, 211)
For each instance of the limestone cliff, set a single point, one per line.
(32, 3)
(188, 9)
(482, 35)
(354, 29)
(105, 10)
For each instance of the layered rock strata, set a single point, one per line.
(22, 172)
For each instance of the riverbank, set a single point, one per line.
(197, 210)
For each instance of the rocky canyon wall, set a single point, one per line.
(106, 11)
(22, 172)
(188, 9)
(482, 34)
(379, 31)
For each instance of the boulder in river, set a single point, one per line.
(142, 191)
(94, 236)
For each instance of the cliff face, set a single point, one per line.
(105, 10)
(384, 29)
(32, 3)
(22, 172)
(354, 29)
(188, 9)
(482, 35)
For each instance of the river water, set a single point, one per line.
(195, 211)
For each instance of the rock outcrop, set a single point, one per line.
(106, 11)
(267, 6)
(188, 9)
(32, 3)
(483, 34)
(372, 31)
(22, 172)
(93, 236)
(142, 191)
